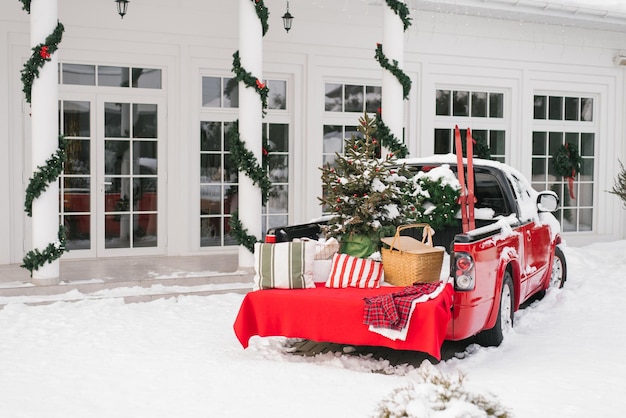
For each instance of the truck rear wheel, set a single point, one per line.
(493, 337)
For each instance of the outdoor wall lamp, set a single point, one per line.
(287, 18)
(122, 5)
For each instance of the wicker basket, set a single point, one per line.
(408, 260)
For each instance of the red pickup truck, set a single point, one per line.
(510, 255)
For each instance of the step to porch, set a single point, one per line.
(133, 279)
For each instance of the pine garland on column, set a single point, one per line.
(386, 137)
(50, 172)
(244, 158)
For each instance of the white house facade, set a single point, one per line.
(145, 104)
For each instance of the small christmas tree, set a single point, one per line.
(429, 197)
(619, 189)
(358, 191)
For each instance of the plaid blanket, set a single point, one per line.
(392, 310)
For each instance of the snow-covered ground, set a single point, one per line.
(180, 358)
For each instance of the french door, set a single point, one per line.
(113, 185)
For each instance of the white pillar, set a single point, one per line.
(250, 121)
(45, 129)
(393, 49)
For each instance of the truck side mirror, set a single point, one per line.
(547, 201)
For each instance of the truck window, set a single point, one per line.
(489, 194)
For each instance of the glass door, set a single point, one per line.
(131, 185)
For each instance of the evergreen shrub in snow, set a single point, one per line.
(436, 395)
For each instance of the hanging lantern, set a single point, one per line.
(287, 18)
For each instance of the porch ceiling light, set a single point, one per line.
(287, 18)
(122, 6)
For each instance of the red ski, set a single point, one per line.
(467, 198)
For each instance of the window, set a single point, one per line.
(276, 211)
(481, 111)
(218, 185)
(334, 141)
(219, 177)
(559, 120)
(352, 98)
(110, 76)
(224, 92)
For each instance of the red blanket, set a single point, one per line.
(336, 315)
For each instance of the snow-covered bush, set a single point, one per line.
(436, 395)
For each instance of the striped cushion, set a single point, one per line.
(349, 271)
(285, 265)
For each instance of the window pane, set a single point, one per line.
(210, 200)
(78, 157)
(77, 232)
(278, 201)
(231, 174)
(333, 97)
(587, 144)
(278, 168)
(539, 169)
(76, 194)
(144, 120)
(145, 157)
(496, 105)
(585, 219)
(354, 98)
(278, 94)
(442, 141)
(84, 75)
(497, 142)
(146, 78)
(442, 102)
(571, 108)
(586, 169)
(586, 109)
(210, 231)
(333, 139)
(556, 108)
(555, 141)
(585, 194)
(145, 230)
(572, 138)
(231, 92)
(211, 168)
(540, 143)
(211, 91)
(373, 98)
(231, 199)
(117, 120)
(210, 136)
(541, 108)
(76, 121)
(116, 157)
(113, 76)
(144, 194)
(279, 137)
(479, 104)
(570, 220)
(460, 103)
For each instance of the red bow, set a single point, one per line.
(260, 85)
(43, 52)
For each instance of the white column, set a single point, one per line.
(393, 49)
(45, 129)
(250, 121)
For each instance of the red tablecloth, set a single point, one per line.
(336, 315)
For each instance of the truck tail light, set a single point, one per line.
(464, 272)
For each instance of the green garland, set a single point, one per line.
(566, 161)
(262, 13)
(401, 10)
(249, 80)
(41, 54)
(240, 233)
(26, 5)
(247, 162)
(388, 140)
(44, 175)
(35, 258)
(393, 68)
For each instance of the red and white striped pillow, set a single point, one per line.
(349, 271)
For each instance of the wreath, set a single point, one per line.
(566, 162)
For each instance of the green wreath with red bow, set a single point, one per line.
(566, 162)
